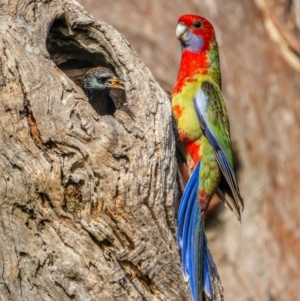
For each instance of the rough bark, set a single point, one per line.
(259, 259)
(87, 202)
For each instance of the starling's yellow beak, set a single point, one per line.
(116, 83)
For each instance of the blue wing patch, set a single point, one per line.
(195, 256)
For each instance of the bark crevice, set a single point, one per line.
(91, 210)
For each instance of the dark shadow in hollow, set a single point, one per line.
(71, 58)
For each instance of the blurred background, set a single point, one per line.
(259, 42)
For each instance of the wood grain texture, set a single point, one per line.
(260, 258)
(87, 202)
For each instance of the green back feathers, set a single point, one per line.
(214, 68)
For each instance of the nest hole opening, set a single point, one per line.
(69, 55)
(75, 52)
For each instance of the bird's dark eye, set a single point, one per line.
(101, 79)
(197, 24)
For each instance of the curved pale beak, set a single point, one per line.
(116, 83)
(181, 29)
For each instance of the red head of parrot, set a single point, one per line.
(196, 36)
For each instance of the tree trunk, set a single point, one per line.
(259, 40)
(87, 201)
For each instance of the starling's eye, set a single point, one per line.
(197, 24)
(101, 80)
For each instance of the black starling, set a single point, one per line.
(105, 91)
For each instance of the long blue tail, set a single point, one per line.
(198, 265)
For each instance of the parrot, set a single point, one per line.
(105, 91)
(204, 135)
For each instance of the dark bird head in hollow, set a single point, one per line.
(106, 92)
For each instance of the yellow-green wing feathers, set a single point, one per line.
(212, 115)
